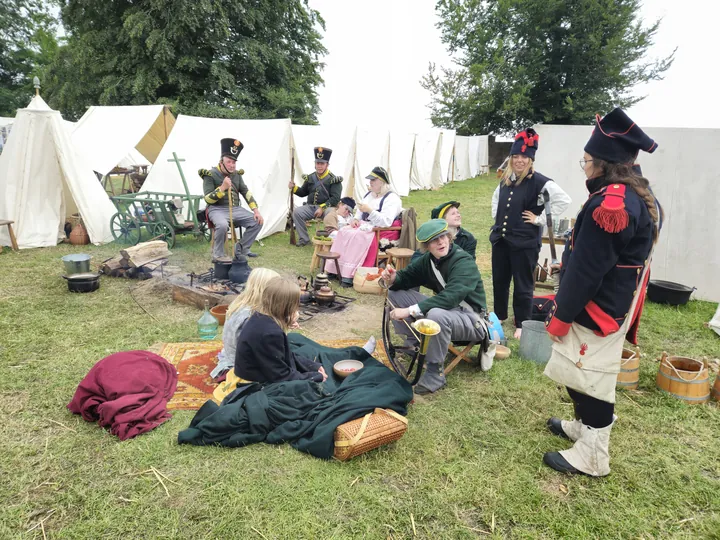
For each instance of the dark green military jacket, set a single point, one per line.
(213, 179)
(461, 275)
(321, 192)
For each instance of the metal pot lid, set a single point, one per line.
(85, 276)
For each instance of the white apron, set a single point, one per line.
(590, 363)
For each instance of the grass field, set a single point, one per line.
(469, 466)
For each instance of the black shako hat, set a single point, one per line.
(230, 148)
(378, 172)
(525, 143)
(617, 139)
(322, 155)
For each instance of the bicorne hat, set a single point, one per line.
(617, 139)
(439, 211)
(525, 143)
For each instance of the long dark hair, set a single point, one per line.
(623, 173)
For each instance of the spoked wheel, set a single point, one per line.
(405, 360)
(163, 231)
(203, 233)
(125, 229)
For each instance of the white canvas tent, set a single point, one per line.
(426, 170)
(266, 160)
(372, 149)
(688, 251)
(109, 135)
(447, 153)
(462, 158)
(478, 154)
(402, 145)
(43, 181)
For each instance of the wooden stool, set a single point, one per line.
(320, 246)
(399, 257)
(329, 256)
(13, 241)
(460, 355)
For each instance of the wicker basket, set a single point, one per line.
(364, 434)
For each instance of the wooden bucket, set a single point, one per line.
(629, 375)
(716, 388)
(684, 378)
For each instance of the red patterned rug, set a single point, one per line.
(195, 361)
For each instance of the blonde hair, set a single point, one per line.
(507, 173)
(251, 296)
(280, 300)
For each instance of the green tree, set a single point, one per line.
(28, 44)
(528, 61)
(216, 58)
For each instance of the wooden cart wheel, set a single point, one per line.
(125, 229)
(203, 232)
(403, 359)
(163, 231)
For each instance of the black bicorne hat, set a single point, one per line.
(378, 172)
(230, 148)
(617, 139)
(525, 143)
(322, 154)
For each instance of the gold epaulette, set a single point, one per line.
(204, 172)
(336, 179)
(304, 177)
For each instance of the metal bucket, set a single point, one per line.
(76, 264)
(535, 344)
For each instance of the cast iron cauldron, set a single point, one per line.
(667, 292)
(86, 282)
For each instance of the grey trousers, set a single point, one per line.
(303, 213)
(455, 325)
(220, 216)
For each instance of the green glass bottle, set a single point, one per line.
(207, 324)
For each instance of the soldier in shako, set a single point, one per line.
(323, 191)
(517, 207)
(216, 182)
(603, 278)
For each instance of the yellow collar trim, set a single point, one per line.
(323, 175)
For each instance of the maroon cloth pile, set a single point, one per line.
(127, 392)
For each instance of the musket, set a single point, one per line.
(292, 203)
(233, 236)
(551, 236)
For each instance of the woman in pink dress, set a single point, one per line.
(357, 244)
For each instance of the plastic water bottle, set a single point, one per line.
(207, 324)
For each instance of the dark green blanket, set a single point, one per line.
(302, 413)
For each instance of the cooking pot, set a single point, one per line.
(221, 270)
(325, 296)
(85, 282)
(667, 292)
(78, 263)
(321, 280)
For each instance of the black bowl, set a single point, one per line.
(668, 292)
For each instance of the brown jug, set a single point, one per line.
(79, 235)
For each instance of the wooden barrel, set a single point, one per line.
(629, 375)
(716, 388)
(684, 378)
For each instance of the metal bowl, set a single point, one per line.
(343, 368)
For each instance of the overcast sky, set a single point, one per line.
(380, 49)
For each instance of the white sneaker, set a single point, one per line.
(370, 345)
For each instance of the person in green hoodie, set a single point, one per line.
(458, 306)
